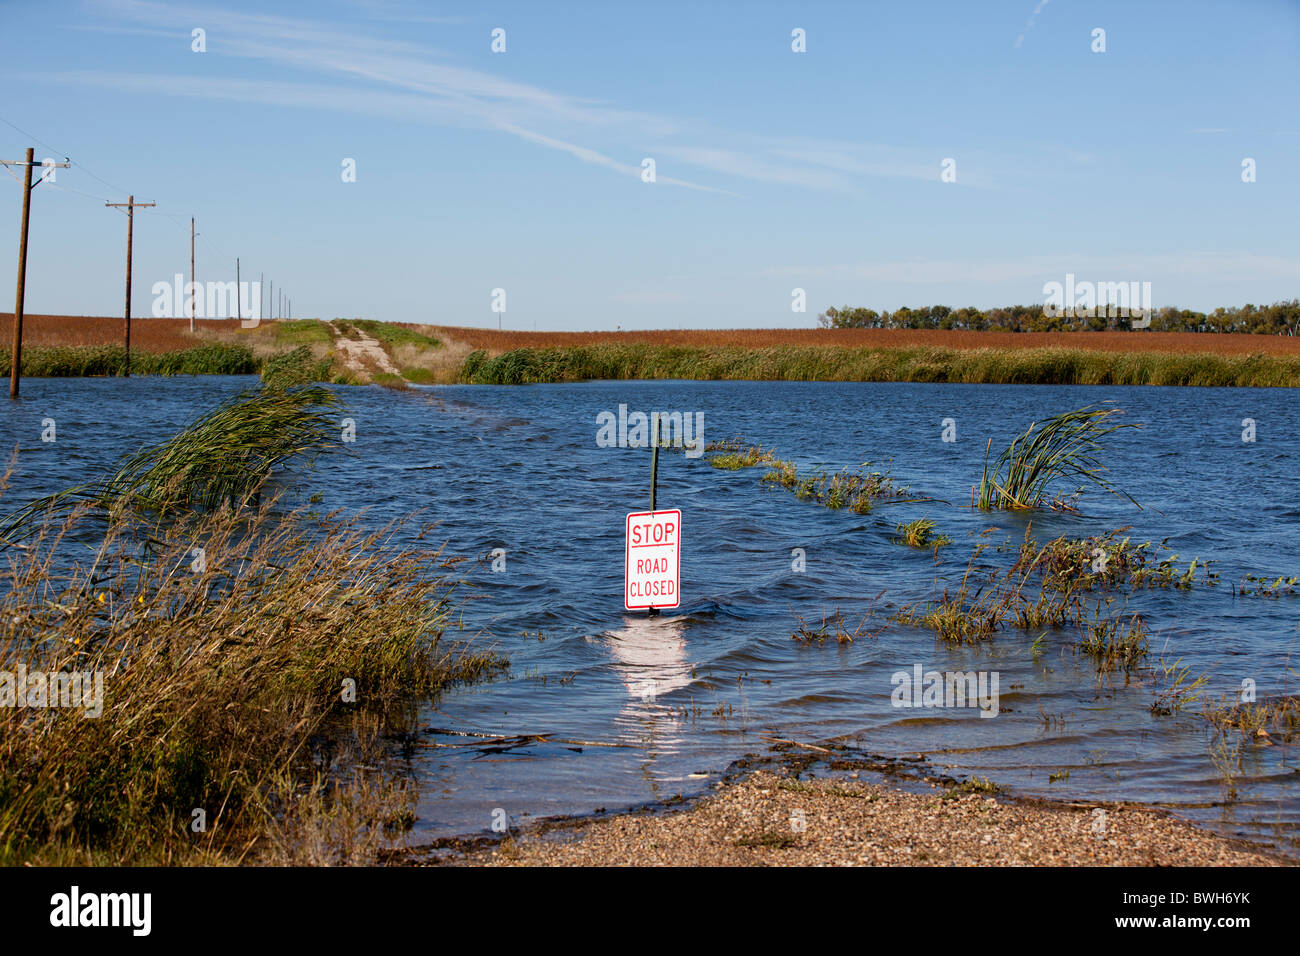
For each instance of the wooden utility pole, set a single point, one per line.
(193, 288)
(131, 205)
(17, 354)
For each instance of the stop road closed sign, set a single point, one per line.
(652, 576)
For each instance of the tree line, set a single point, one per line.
(1280, 318)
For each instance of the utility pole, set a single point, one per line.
(17, 354)
(193, 288)
(131, 206)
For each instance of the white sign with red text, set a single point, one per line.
(652, 576)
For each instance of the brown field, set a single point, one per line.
(1184, 342)
(165, 335)
(147, 334)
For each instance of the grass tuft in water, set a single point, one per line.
(223, 458)
(920, 534)
(1064, 447)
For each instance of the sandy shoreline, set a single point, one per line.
(771, 818)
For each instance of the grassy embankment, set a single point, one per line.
(64, 345)
(254, 660)
(1040, 366)
(81, 346)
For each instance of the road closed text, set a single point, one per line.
(652, 576)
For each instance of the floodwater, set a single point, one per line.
(638, 709)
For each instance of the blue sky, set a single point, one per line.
(775, 170)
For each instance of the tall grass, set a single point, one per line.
(223, 457)
(1064, 447)
(1045, 366)
(255, 689)
(298, 367)
(101, 360)
(247, 693)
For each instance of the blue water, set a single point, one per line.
(642, 709)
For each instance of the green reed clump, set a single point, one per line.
(1175, 688)
(1115, 641)
(1081, 564)
(1045, 610)
(223, 457)
(1064, 447)
(856, 490)
(920, 534)
(1277, 716)
(1055, 366)
(1261, 586)
(968, 615)
(101, 360)
(297, 367)
(833, 626)
(733, 454)
(256, 687)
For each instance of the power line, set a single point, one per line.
(80, 166)
(69, 189)
(29, 135)
(131, 205)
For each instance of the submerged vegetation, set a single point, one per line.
(1045, 588)
(1254, 585)
(1106, 560)
(733, 454)
(1115, 640)
(855, 490)
(971, 613)
(920, 534)
(832, 626)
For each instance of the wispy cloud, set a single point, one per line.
(405, 81)
(1029, 24)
